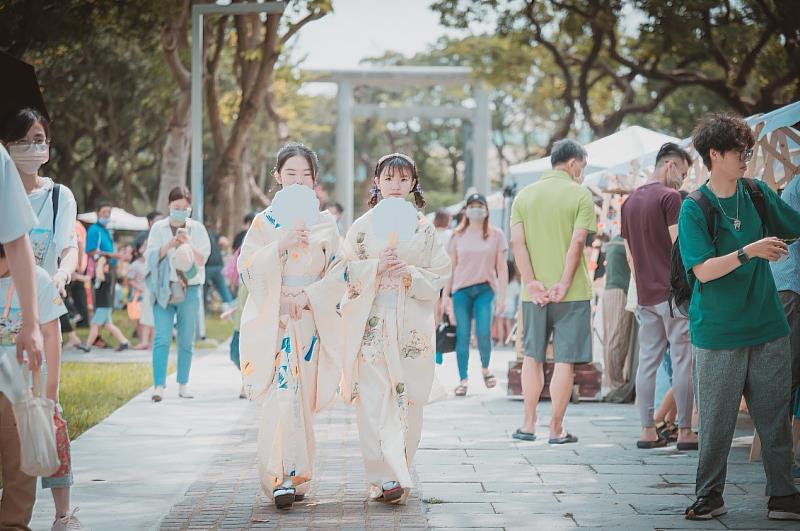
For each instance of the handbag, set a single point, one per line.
(37, 435)
(445, 336)
(177, 293)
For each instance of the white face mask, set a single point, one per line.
(476, 213)
(28, 158)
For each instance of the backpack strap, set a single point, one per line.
(55, 196)
(757, 196)
(708, 211)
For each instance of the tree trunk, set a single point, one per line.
(175, 155)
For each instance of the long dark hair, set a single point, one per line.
(18, 124)
(402, 163)
(295, 149)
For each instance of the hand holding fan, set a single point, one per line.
(296, 206)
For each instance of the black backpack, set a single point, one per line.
(680, 289)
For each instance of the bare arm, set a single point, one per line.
(574, 252)
(673, 232)
(502, 276)
(629, 256)
(519, 247)
(719, 266)
(52, 352)
(23, 272)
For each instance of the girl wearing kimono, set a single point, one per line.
(289, 332)
(388, 314)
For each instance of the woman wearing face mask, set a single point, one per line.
(388, 319)
(26, 134)
(177, 250)
(480, 277)
(296, 312)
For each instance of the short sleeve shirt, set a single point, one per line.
(647, 215)
(48, 245)
(550, 210)
(16, 215)
(476, 258)
(99, 238)
(787, 271)
(51, 307)
(742, 308)
(161, 233)
(618, 273)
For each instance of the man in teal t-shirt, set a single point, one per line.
(738, 328)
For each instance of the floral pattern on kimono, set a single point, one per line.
(389, 330)
(301, 373)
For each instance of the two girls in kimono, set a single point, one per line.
(357, 317)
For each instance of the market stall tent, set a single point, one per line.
(120, 220)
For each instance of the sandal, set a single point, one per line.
(667, 430)
(489, 380)
(284, 497)
(392, 491)
(523, 435)
(649, 445)
(567, 438)
(461, 390)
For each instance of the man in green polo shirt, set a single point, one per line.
(550, 220)
(739, 332)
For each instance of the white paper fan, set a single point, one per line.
(296, 203)
(394, 216)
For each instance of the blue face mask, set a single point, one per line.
(179, 216)
(103, 221)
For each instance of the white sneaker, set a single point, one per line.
(68, 523)
(183, 392)
(158, 394)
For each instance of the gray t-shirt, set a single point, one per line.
(16, 215)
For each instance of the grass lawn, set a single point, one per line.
(92, 391)
(217, 330)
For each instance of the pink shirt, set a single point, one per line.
(476, 258)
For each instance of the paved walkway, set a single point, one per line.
(189, 464)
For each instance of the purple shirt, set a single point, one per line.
(647, 215)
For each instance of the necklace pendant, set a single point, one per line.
(737, 224)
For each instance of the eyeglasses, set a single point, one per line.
(745, 155)
(26, 147)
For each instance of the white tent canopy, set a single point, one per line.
(120, 220)
(613, 150)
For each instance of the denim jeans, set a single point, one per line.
(187, 313)
(214, 278)
(235, 349)
(473, 302)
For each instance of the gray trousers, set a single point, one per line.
(657, 329)
(762, 374)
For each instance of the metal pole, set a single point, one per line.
(197, 114)
(345, 157)
(480, 142)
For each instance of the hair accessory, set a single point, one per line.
(397, 155)
(418, 188)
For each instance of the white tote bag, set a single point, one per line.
(37, 433)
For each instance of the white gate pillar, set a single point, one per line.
(345, 147)
(480, 141)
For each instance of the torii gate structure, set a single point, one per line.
(403, 76)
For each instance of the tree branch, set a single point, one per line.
(716, 53)
(294, 28)
(750, 60)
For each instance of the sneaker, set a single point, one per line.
(283, 497)
(706, 508)
(242, 393)
(84, 347)
(158, 394)
(784, 507)
(392, 491)
(183, 392)
(68, 523)
(122, 346)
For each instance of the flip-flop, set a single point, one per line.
(283, 497)
(393, 493)
(524, 435)
(461, 390)
(489, 380)
(684, 446)
(568, 438)
(649, 445)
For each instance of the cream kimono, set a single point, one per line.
(294, 364)
(389, 346)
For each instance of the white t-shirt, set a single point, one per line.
(47, 247)
(137, 270)
(161, 233)
(16, 214)
(51, 307)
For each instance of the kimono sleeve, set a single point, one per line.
(252, 265)
(428, 281)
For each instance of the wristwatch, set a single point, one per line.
(742, 256)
